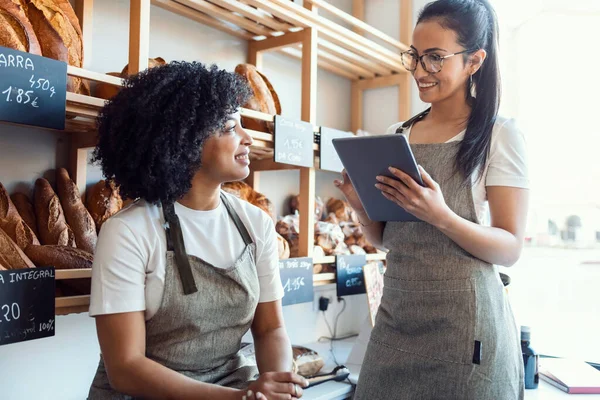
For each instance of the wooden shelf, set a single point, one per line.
(72, 304)
(62, 274)
(277, 25)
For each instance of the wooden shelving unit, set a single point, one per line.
(268, 25)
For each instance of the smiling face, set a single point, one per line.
(429, 37)
(225, 154)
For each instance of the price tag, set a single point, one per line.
(297, 280)
(33, 89)
(26, 304)
(349, 274)
(294, 142)
(329, 159)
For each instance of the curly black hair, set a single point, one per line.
(151, 134)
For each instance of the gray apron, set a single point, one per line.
(445, 328)
(197, 331)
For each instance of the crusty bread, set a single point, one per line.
(152, 62)
(25, 209)
(60, 257)
(77, 216)
(59, 33)
(263, 99)
(52, 225)
(103, 201)
(16, 31)
(11, 256)
(12, 223)
(106, 91)
(245, 192)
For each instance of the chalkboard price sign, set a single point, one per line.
(297, 280)
(26, 304)
(33, 89)
(349, 274)
(329, 159)
(294, 142)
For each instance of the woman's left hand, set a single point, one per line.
(426, 203)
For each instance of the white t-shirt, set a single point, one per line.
(129, 267)
(506, 164)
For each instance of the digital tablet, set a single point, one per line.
(365, 158)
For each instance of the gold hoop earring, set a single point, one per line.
(472, 87)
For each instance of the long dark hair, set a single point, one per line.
(476, 27)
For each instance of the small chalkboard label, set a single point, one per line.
(297, 280)
(329, 159)
(294, 142)
(26, 304)
(33, 89)
(349, 274)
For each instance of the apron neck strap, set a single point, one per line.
(236, 220)
(411, 121)
(175, 243)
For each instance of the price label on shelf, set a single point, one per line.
(349, 274)
(297, 280)
(329, 159)
(33, 89)
(26, 304)
(294, 142)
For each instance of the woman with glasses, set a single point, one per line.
(445, 329)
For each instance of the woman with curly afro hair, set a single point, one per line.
(185, 271)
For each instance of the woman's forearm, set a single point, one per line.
(372, 230)
(273, 351)
(147, 379)
(490, 244)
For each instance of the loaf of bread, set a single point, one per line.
(106, 91)
(245, 192)
(25, 209)
(263, 99)
(59, 34)
(12, 223)
(11, 256)
(307, 362)
(342, 210)
(50, 216)
(77, 216)
(16, 31)
(283, 247)
(60, 257)
(103, 201)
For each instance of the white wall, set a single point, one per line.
(63, 366)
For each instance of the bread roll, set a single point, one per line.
(59, 34)
(51, 221)
(103, 201)
(12, 223)
(16, 31)
(11, 256)
(264, 98)
(25, 209)
(77, 216)
(306, 361)
(60, 257)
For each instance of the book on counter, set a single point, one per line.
(571, 376)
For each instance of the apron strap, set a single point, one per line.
(237, 221)
(411, 121)
(175, 243)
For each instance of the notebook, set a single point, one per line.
(571, 376)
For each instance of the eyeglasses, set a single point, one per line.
(431, 63)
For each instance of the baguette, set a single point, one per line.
(12, 223)
(11, 256)
(77, 216)
(52, 225)
(25, 209)
(103, 202)
(16, 32)
(59, 257)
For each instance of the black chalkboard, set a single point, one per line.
(294, 142)
(33, 89)
(349, 274)
(329, 159)
(26, 304)
(297, 280)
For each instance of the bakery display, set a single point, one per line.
(77, 216)
(25, 209)
(11, 256)
(16, 32)
(264, 98)
(50, 216)
(12, 223)
(103, 201)
(60, 257)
